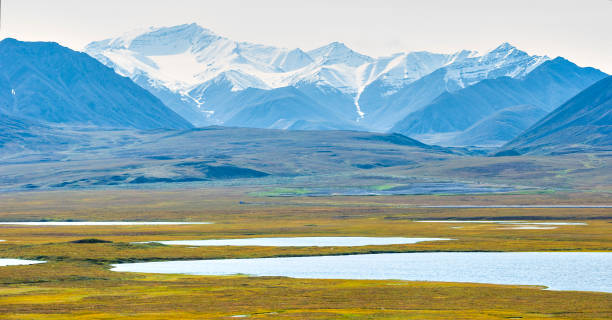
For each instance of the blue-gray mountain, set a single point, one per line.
(299, 107)
(499, 128)
(43, 81)
(546, 87)
(584, 123)
(384, 110)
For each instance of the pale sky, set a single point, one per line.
(579, 30)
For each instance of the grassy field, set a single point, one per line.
(76, 282)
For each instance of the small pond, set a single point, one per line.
(18, 262)
(509, 222)
(97, 223)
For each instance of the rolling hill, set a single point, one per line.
(86, 157)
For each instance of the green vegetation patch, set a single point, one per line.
(281, 192)
(384, 187)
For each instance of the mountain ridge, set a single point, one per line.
(46, 82)
(546, 87)
(583, 123)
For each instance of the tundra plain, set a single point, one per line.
(76, 281)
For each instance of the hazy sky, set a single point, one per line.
(579, 30)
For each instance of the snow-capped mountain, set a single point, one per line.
(188, 67)
(460, 113)
(505, 60)
(386, 101)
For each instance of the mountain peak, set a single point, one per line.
(338, 45)
(558, 63)
(13, 41)
(155, 40)
(193, 28)
(34, 47)
(9, 40)
(338, 53)
(504, 47)
(562, 65)
(560, 60)
(332, 48)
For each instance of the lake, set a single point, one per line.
(582, 271)
(512, 222)
(303, 241)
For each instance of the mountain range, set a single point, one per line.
(66, 113)
(546, 87)
(187, 76)
(210, 79)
